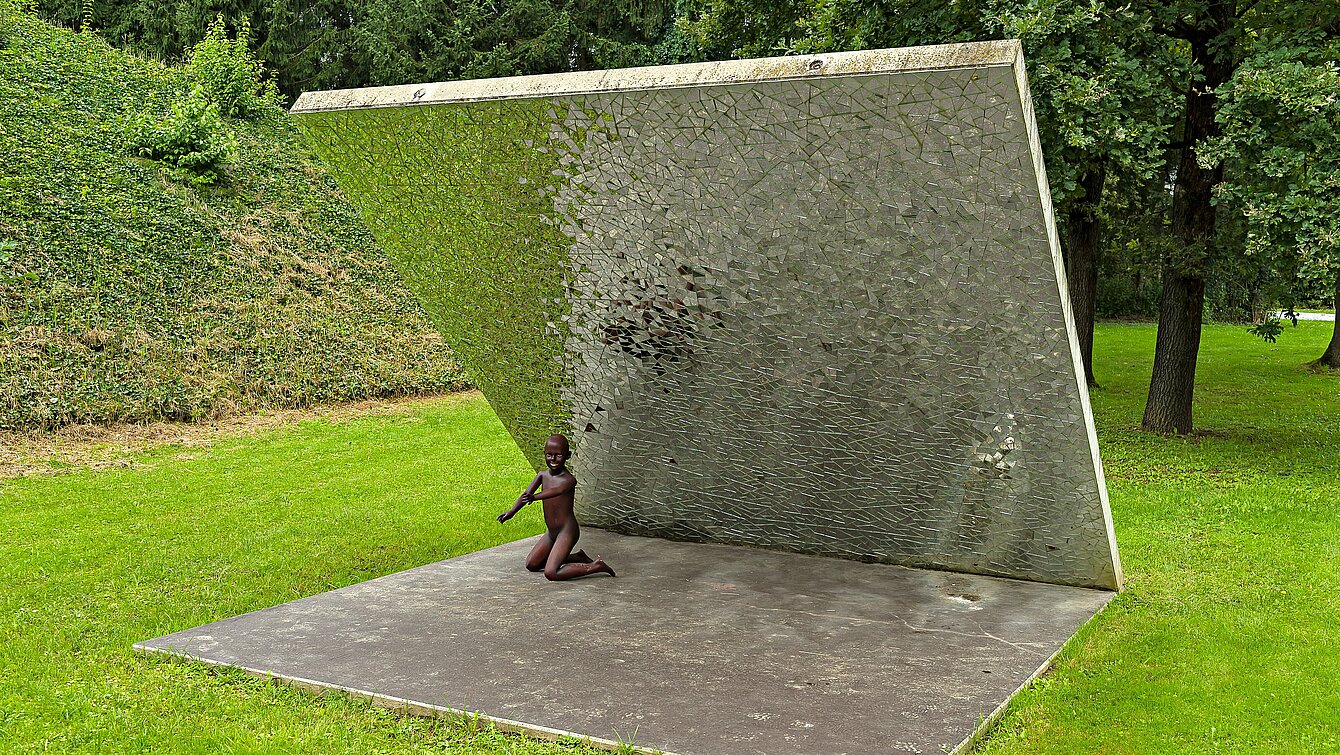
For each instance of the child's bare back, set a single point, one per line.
(554, 551)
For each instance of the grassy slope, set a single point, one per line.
(125, 296)
(1224, 641)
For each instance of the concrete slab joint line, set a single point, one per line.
(811, 305)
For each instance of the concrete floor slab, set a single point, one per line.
(693, 648)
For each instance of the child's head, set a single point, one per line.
(556, 451)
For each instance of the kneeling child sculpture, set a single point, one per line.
(553, 552)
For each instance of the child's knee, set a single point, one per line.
(551, 573)
(534, 567)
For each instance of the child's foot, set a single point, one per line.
(601, 566)
(578, 557)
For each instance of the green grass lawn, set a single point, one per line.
(1226, 640)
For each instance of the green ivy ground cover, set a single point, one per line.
(1224, 641)
(126, 295)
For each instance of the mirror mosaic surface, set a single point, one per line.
(811, 304)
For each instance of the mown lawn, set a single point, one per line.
(1226, 639)
(93, 562)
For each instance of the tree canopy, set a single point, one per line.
(1279, 120)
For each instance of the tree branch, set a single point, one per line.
(1180, 29)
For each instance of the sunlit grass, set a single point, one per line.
(1227, 637)
(93, 562)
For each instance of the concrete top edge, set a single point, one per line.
(891, 60)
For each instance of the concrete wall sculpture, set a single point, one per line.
(813, 303)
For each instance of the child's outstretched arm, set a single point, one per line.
(521, 502)
(563, 486)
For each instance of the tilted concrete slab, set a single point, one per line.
(694, 648)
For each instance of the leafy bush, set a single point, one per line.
(228, 74)
(191, 139)
(226, 81)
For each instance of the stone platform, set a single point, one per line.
(693, 648)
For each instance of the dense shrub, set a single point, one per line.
(224, 69)
(226, 80)
(191, 140)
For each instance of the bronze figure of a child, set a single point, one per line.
(553, 553)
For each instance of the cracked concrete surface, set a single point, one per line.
(694, 648)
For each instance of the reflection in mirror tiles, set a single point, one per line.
(809, 304)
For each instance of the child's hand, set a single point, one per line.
(504, 516)
(525, 499)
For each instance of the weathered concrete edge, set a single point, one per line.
(890, 60)
(399, 704)
(1067, 311)
(989, 722)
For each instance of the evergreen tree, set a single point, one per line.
(327, 44)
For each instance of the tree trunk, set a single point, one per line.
(1332, 356)
(1081, 262)
(1168, 408)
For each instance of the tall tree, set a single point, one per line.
(323, 44)
(1280, 120)
(443, 39)
(1098, 77)
(1209, 29)
(1217, 35)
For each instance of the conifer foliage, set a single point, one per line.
(328, 44)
